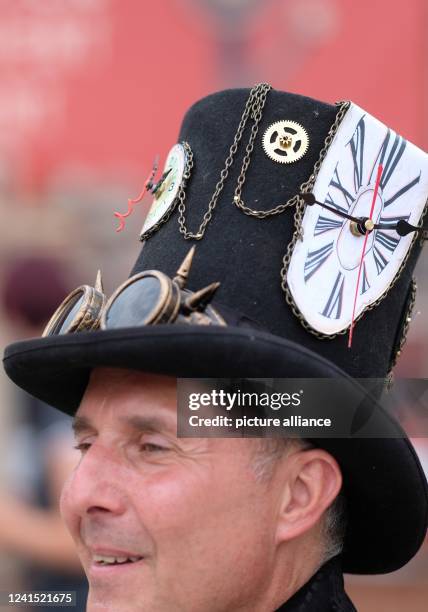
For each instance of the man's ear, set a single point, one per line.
(312, 481)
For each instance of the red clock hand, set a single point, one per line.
(148, 184)
(376, 189)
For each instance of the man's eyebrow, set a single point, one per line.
(139, 422)
(81, 424)
(152, 423)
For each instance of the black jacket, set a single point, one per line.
(323, 593)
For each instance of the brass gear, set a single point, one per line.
(285, 141)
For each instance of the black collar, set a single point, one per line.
(324, 592)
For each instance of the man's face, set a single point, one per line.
(192, 510)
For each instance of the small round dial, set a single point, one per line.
(164, 199)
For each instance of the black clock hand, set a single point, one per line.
(158, 185)
(402, 227)
(310, 200)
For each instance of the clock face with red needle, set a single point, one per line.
(324, 268)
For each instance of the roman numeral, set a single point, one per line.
(336, 182)
(392, 221)
(325, 224)
(329, 200)
(390, 153)
(403, 190)
(365, 281)
(379, 259)
(315, 259)
(386, 240)
(357, 151)
(333, 307)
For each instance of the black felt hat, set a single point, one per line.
(384, 484)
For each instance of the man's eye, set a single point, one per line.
(82, 447)
(150, 447)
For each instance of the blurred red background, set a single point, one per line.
(91, 90)
(103, 84)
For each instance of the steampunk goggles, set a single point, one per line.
(147, 298)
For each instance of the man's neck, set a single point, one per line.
(287, 579)
(323, 592)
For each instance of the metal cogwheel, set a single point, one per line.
(285, 141)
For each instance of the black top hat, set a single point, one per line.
(271, 334)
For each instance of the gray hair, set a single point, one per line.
(268, 452)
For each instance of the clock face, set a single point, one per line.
(165, 197)
(324, 269)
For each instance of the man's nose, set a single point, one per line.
(97, 484)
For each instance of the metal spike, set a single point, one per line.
(184, 269)
(99, 282)
(200, 299)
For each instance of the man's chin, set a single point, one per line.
(101, 601)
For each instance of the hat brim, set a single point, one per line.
(385, 487)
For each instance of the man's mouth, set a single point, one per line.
(110, 560)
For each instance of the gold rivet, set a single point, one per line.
(285, 142)
(369, 225)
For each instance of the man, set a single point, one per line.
(210, 524)
(244, 524)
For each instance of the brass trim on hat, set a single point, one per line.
(88, 315)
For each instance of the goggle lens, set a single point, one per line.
(133, 306)
(64, 322)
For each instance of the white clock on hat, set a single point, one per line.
(330, 281)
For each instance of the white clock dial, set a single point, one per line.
(323, 271)
(164, 199)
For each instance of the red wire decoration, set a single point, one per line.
(131, 202)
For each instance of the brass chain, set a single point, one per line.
(306, 187)
(389, 379)
(181, 195)
(254, 105)
(260, 214)
(406, 324)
